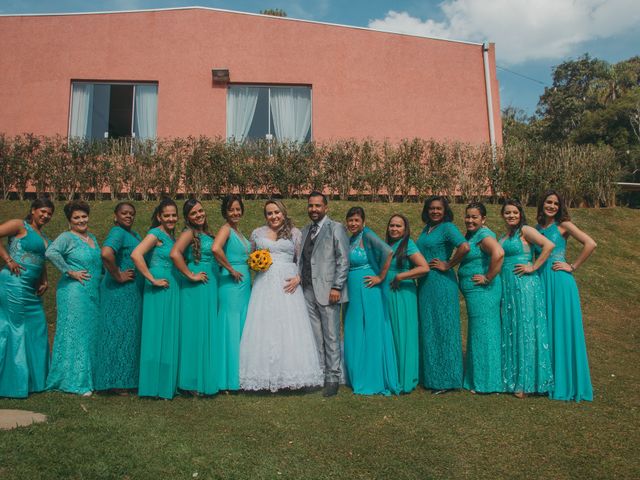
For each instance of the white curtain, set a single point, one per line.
(241, 107)
(146, 112)
(81, 110)
(291, 110)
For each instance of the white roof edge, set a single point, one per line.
(195, 7)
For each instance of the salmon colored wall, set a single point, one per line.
(365, 83)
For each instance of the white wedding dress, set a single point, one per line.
(278, 348)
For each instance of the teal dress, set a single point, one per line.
(117, 363)
(526, 362)
(439, 311)
(483, 362)
(233, 300)
(198, 370)
(78, 305)
(369, 354)
(403, 314)
(24, 347)
(572, 380)
(160, 324)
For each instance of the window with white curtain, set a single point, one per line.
(113, 110)
(266, 111)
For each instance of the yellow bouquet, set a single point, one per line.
(260, 260)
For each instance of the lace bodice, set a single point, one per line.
(28, 251)
(159, 255)
(282, 250)
(440, 241)
(515, 250)
(206, 255)
(476, 261)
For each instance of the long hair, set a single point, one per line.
(196, 230)
(42, 202)
(448, 213)
(164, 203)
(562, 215)
(287, 223)
(401, 251)
(518, 205)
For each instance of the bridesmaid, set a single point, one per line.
(118, 349)
(76, 254)
(440, 337)
(526, 362)
(400, 286)
(24, 347)
(231, 249)
(572, 380)
(160, 332)
(193, 257)
(480, 283)
(369, 354)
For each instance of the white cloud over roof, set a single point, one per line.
(523, 30)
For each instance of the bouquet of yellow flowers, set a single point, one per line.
(260, 260)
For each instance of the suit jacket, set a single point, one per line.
(329, 261)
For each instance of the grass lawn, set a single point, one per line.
(291, 435)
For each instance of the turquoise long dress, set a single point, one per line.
(233, 300)
(403, 314)
(198, 370)
(572, 380)
(526, 362)
(78, 304)
(117, 362)
(160, 324)
(369, 354)
(483, 362)
(439, 311)
(24, 347)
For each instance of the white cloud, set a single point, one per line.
(523, 29)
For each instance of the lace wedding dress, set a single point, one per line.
(278, 348)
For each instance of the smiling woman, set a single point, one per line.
(76, 254)
(160, 305)
(24, 349)
(278, 349)
(118, 348)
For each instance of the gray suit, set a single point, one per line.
(329, 266)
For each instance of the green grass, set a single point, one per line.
(419, 435)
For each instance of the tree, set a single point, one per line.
(562, 106)
(516, 125)
(275, 12)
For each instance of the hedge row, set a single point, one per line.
(208, 167)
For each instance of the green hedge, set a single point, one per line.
(208, 167)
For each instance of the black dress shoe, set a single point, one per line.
(330, 389)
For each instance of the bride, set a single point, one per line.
(278, 348)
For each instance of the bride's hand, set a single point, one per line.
(291, 284)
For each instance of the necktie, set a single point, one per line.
(314, 230)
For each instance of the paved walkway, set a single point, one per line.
(19, 418)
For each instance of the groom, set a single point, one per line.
(324, 264)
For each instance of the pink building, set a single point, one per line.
(151, 73)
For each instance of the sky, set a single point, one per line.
(531, 36)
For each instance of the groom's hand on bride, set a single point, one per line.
(334, 296)
(291, 284)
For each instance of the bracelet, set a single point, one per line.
(573, 269)
(9, 260)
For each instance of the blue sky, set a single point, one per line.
(531, 36)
